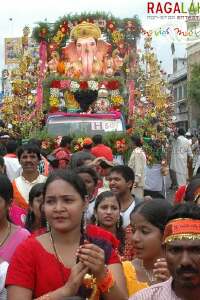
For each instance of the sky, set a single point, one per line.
(14, 15)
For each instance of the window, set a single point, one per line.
(175, 94)
(182, 108)
(90, 126)
(185, 91)
(174, 65)
(180, 92)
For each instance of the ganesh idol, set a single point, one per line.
(86, 54)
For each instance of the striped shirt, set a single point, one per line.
(160, 291)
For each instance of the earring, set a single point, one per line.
(85, 220)
(48, 226)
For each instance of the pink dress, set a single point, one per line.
(8, 248)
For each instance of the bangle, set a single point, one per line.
(89, 281)
(106, 283)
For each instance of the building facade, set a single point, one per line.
(178, 84)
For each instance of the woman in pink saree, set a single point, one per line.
(10, 235)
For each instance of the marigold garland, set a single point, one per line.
(117, 100)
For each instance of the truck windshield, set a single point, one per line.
(67, 126)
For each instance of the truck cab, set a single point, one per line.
(61, 123)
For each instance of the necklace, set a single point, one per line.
(8, 231)
(54, 249)
(149, 274)
(138, 263)
(58, 258)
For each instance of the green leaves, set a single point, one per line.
(194, 84)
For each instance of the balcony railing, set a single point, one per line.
(178, 75)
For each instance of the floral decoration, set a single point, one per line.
(117, 100)
(54, 92)
(45, 144)
(93, 85)
(53, 101)
(76, 88)
(64, 27)
(117, 36)
(64, 84)
(83, 85)
(121, 146)
(113, 85)
(78, 144)
(114, 93)
(111, 25)
(60, 31)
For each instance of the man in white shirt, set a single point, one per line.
(181, 151)
(137, 163)
(121, 180)
(12, 164)
(29, 158)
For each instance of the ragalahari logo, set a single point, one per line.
(178, 7)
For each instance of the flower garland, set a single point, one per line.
(94, 85)
(115, 29)
(73, 87)
(54, 97)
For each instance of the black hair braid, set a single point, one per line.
(30, 219)
(93, 219)
(83, 233)
(120, 235)
(84, 292)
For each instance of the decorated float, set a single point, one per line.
(89, 71)
(87, 64)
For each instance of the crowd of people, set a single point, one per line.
(78, 226)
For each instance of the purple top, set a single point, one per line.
(8, 248)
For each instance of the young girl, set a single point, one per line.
(148, 222)
(34, 219)
(107, 216)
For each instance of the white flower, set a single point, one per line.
(74, 86)
(114, 93)
(54, 92)
(93, 85)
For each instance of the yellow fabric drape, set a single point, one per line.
(133, 285)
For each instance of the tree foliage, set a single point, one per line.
(194, 84)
